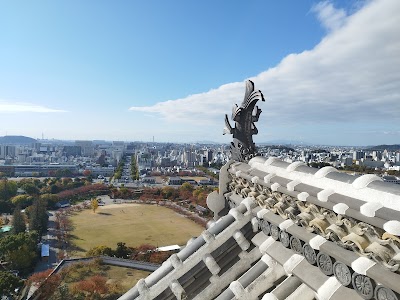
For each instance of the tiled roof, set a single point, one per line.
(287, 231)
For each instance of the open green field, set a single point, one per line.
(133, 224)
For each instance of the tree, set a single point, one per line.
(19, 250)
(8, 283)
(47, 284)
(186, 187)
(30, 189)
(94, 204)
(86, 173)
(8, 189)
(50, 199)
(5, 206)
(38, 217)
(18, 222)
(122, 250)
(134, 168)
(62, 293)
(92, 288)
(168, 191)
(100, 250)
(22, 200)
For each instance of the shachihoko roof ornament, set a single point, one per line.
(242, 146)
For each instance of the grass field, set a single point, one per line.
(126, 278)
(133, 224)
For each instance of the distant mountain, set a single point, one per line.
(101, 142)
(16, 139)
(205, 142)
(385, 147)
(283, 142)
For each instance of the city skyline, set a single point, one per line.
(133, 71)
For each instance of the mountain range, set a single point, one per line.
(16, 139)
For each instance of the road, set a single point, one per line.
(49, 238)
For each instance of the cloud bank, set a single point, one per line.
(330, 17)
(11, 107)
(352, 75)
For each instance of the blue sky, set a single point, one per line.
(131, 70)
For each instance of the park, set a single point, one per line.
(134, 224)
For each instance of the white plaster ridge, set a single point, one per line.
(241, 240)
(286, 224)
(207, 236)
(340, 208)
(175, 261)
(211, 264)
(292, 263)
(269, 296)
(265, 245)
(316, 242)
(275, 186)
(361, 265)
(388, 199)
(324, 171)
(177, 289)
(368, 209)
(270, 160)
(363, 181)
(262, 212)
(236, 214)
(324, 194)
(255, 179)
(142, 287)
(291, 185)
(250, 203)
(267, 178)
(392, 227)
(268, 260)
(238, 290)
(303, 196)
(293, 166)
(328, 289)
(255, 224)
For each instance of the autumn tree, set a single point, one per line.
(94, 204)
(47, 284)
(91, 287)
(86, 173)
(100, 250)
(168, 192)
(186, 191)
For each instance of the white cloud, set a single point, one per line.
(12, 107)
(329, 16)
(352, 75)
